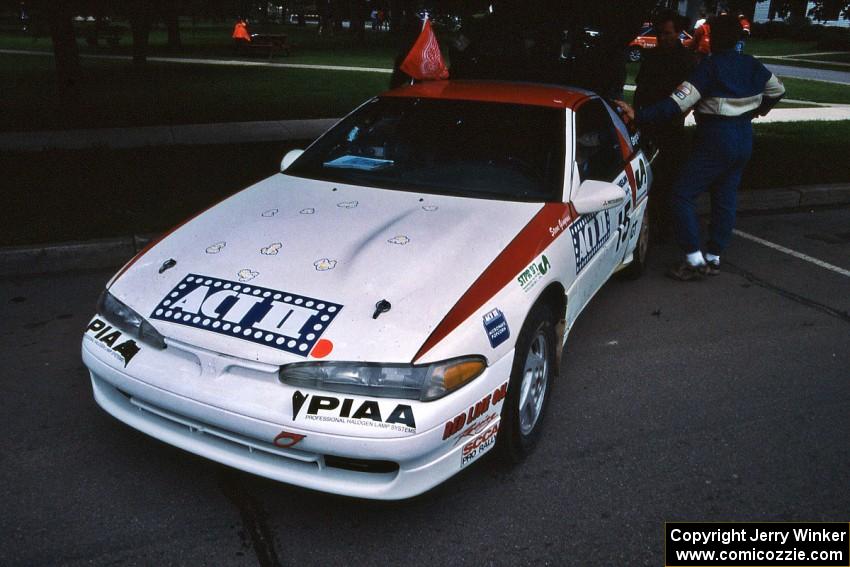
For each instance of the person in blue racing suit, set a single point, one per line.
(726, 90)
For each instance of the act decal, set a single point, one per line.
(277, 319)
(589, 232)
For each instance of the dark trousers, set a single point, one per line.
(722, 148)
(672, 143)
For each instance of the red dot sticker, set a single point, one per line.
(322, 348)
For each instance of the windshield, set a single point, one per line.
(461, 148)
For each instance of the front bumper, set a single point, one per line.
(367, 467)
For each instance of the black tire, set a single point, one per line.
(515, 444)
(634, 54)
(638, 266)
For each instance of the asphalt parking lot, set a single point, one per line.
(717, 400)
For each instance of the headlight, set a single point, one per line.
(424, 382)
(128, 320)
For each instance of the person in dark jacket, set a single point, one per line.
(662, 69)
(726, 90)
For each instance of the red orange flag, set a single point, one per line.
(425, 62)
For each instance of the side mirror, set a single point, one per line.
(594, 196)
(290, 157)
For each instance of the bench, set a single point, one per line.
(270, 43)
(110, 34)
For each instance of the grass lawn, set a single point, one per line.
(816, 91)
(758, 46)
(798, 153)
(837, 57)
(83, 194)
(113, 93)
(213, 41)
(798, 89)
(798, 62)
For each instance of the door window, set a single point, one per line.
(598, 152)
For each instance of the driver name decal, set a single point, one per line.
(285, 321)
(589, 232)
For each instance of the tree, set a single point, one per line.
(66, 56)
(140, 15)
(171, 17)
(577, 42)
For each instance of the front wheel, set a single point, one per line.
(634, 54)
(530, 384)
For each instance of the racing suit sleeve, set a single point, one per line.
(685, 97)
(774, 90)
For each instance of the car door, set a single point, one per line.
(596, 237)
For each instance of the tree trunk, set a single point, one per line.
(66, 56)
(172, 23)
(358, 20)
(140, 22)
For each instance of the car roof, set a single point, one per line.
(532, 94)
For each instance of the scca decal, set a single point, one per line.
(109, 338)
(367, 412)
(277, 319)
(475, 411)
(479, 446)
(477, 428)
(589, 232)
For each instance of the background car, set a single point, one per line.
(647, 39)
(394, 303)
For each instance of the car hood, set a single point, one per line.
(336, 249)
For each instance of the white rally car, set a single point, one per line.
(393, 304)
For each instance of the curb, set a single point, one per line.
(67, 256)
(795, 197)
(113, 252)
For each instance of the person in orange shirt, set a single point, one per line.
(745, 28)
(240, 31)
(745, 24)
(701, 41)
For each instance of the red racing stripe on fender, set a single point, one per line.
(526, 246)
(632, 181)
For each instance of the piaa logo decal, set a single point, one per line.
(352, 412)
(277, 319)
(112, 340)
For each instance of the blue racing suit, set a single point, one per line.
(726, 90)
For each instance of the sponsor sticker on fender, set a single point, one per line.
(533, 273)
(277, 319)
(473, 450)
(496, 327)
(112, 341)
(474, 412)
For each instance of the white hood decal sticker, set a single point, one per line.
(285, 321)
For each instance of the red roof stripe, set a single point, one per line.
(494, 91)
(525, 247)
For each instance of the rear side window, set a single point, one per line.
(599, 155)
